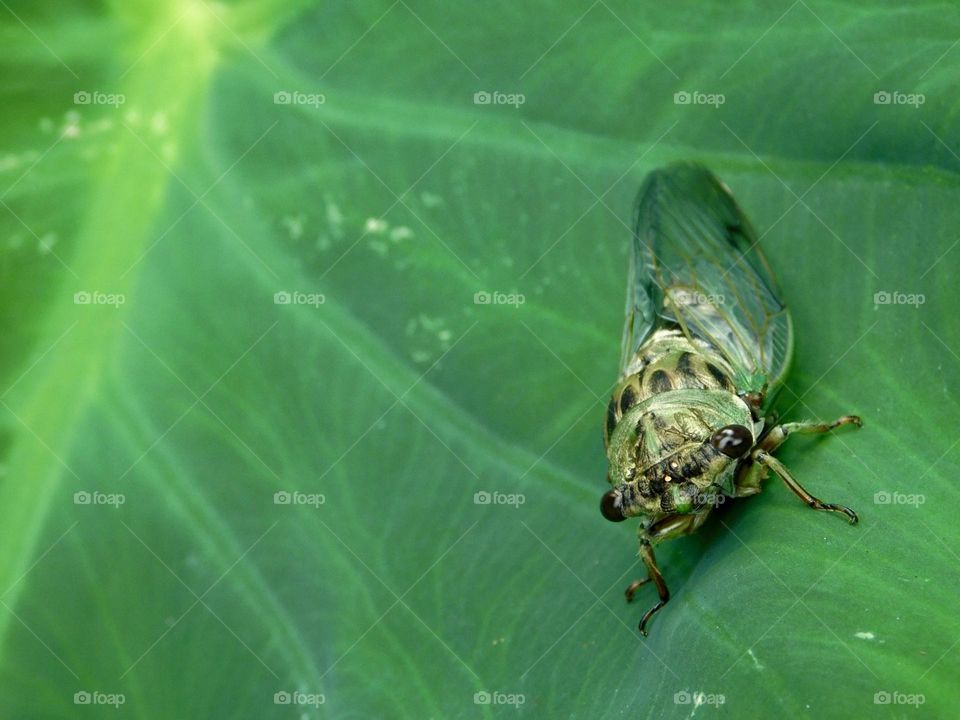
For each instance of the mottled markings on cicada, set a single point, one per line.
(628, 399)
(685, 367)
(719, 376)
(690, 491)
(660, 382)
(690, 470)
(611, 416)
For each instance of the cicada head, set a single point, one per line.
(676, 453)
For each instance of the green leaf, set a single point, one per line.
(181, 393)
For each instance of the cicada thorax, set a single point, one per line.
(675, 396)
(667, 361)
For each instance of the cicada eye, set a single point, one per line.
(733, 440)
(610, 506)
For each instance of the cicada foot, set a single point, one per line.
(633, 587)
(649, 614)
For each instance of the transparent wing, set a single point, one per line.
(696, 264)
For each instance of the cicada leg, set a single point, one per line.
(751, 474)
(766, 459)
(776, 437)
(663, 529)
(646, 552)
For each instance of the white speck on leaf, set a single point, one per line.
(865, 635)
(430, 200)
(158, 123)
(294, 226)
(401, 233)
(375, 226)
(334, 217)
(46, 243)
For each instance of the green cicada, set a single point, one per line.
(706, 344)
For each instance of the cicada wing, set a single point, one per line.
(696, 264)
(642, 302)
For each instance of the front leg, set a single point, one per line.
(646, 552)
(661, 530)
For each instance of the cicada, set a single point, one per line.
(707, 343)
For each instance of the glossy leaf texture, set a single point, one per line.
(372, 255)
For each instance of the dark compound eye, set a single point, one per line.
(732, 440)
(610, 506)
